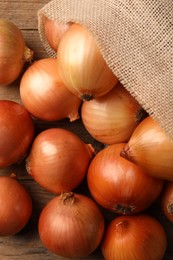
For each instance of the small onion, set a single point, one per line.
(71, 225)
(58, 160)
(151, 148)
(119, 185)
(15, 205)
(82, 67)
(167, 200)
(54, 32)
(16, 132)
(134, 237)
(44, 95)
(13, 52)
(113, 117)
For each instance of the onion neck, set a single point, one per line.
(28, 54)
(126, 153)
(170, 207)
(67, 198)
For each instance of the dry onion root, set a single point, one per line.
(13, 52)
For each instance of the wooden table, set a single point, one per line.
(26, 244)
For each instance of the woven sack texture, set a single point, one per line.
(136, 41)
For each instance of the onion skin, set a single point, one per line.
(82, 67)
(54, 32)
(151, 148)
(113, 117)
(58, 160)
(71, 225)
(13, 52)
(167, 200)
(44, 95)
(16, 132)
(134, 237)
(15, 206)
(119, 185)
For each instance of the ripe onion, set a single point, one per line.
(54, 32)
(16, 132)
(13, 52)
(134, 237)
(113, 117)
(151, 148)
(44, 95)
(15, 205)
(119, 185)
(71, 225)
(167, 201)
(82, 67)
(58, 160)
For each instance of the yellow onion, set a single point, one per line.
(44, 95)
(54, 32)
(135, 237)
(82, 67)
(112, 117)
(13, 52)
(151, 148)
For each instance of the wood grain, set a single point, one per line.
(26, 244)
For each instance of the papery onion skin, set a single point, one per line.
(44, 95)
(15, 205)
(71, 225)
(151, 148)
(113, 117)
(82, 67)
(119, 185)
(58, 160)
(16, 132)
(134, 237)
(167, 200)
(54, 32)
(13, 52)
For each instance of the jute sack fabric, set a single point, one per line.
(135, 38)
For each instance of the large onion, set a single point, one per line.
(71, 225)
(13, 52)
(58, 160)
(82, 67)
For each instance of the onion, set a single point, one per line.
(44, 95)
(71, 225)
(15, 205)
(82, 67)
(54, 32)
(58, 160)
(134, 237)
(113, 117)
(16, 132)
(167, 201)
(151, 148)
(119, 185)
(13, 52)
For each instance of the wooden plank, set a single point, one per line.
(26, 244)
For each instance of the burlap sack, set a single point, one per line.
(135, 38)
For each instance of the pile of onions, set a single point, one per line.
(71, 225)
(44, 95)
(113, 117)
(134, 237)
(58, 160)
(151, 148)
(167, 200)
(54, 32)
(82, 67)
(119, 185)
(13, 52)
(15, 205)
(16, 132)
